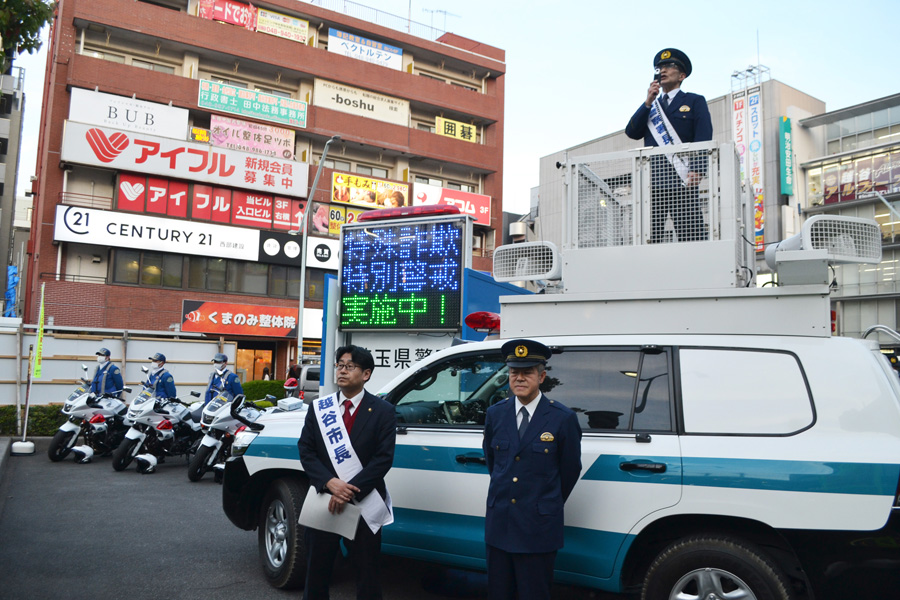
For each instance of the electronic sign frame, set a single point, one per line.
(404, 274)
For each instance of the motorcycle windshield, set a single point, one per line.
(76, 393)
(143, 397)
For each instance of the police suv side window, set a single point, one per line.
(749, 392)
(612, 389)
(455, 392)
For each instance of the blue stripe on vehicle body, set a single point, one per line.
(588, 558)
(792, 475)
(274, 447)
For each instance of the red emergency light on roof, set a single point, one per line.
(408, 211)
(483, 321)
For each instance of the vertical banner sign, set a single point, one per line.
(39, 351)
(786, 145)
(755, 162)
(740, 130)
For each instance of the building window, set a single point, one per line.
(127, 266)
(239, 84)
(425, 127)
(372, 171)
(315, 284)
(142, 64)
(284, 281)
(116, 58)
(463, 187)
(337, 165)
(429, 180)
(247, 278)
(274, 92)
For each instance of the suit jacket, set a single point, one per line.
(530, 478)
(373, 437)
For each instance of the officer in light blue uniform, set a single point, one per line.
(160, 380)
(107, 377)
(532, 446)
(222, 380)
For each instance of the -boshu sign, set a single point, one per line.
(238, 319)
(126, 151)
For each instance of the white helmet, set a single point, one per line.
(146, 463)
(83, 454)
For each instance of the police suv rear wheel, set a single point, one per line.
(713, 568)
(282, 548)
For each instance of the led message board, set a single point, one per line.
(402, 277)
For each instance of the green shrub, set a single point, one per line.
(257, 390)
(43, 420)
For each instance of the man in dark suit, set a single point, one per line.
(372, 428)
(533, 450)
(670, 118)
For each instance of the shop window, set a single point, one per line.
(151, 268)
(315, 284)
(215, 274)
(284, 281)
(127, 265)
(173, 266)
(247, 278)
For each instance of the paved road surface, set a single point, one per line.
(87, 532)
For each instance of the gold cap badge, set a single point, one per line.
(665, 55)
(546, 437)
(521, 351)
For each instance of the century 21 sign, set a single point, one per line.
(402, 277)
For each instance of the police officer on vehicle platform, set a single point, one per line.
(670, 116)
(159, 379)
(533, 450)
(222, 380)
(107, 377)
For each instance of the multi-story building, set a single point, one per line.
(179, 139)
(12, 107)
(853, 170)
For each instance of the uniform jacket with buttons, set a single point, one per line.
(107, 378)
(689, 115)
(531, 478)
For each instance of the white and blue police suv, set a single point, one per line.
(733, 447)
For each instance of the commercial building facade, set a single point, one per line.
(12, 109)
(179, 139)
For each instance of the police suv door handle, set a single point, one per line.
(471, 458)
(643, 466)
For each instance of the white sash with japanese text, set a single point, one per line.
(665, 135)
(376, 512)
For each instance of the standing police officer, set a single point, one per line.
(670, 116)
(222, 380)
(532, 445)
(160, 380)
(107, 377)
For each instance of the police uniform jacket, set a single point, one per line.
(530, 478)
(107, 378)
(163, 384)
(373, 436)
(228, 382)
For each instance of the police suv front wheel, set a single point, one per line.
(714, 568)
(282, 548)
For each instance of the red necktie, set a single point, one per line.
(348, 418)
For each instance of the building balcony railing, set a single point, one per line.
(71, 278)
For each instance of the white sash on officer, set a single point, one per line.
(665, 135)
(376, 512)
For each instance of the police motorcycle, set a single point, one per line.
(160, 427)
(220, 421)
(100, 420)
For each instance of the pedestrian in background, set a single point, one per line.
(532, 445)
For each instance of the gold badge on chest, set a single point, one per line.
(684, 109)
(547, 437)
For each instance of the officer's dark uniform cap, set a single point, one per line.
(673, 56)
(158, 357)
(525, 353)
(102, 352)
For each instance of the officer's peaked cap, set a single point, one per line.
(102, 352)
(525, 353)
(669, 56)
(220, 358)
(158, 357)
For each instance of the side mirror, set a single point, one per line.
(195, 394)
(270, 398)
(84, 368)
(145, 369)
(126, 389)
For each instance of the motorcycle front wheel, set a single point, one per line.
(200, 462)
(125, 453)
(61, 444)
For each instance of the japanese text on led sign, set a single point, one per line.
(402, 277)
